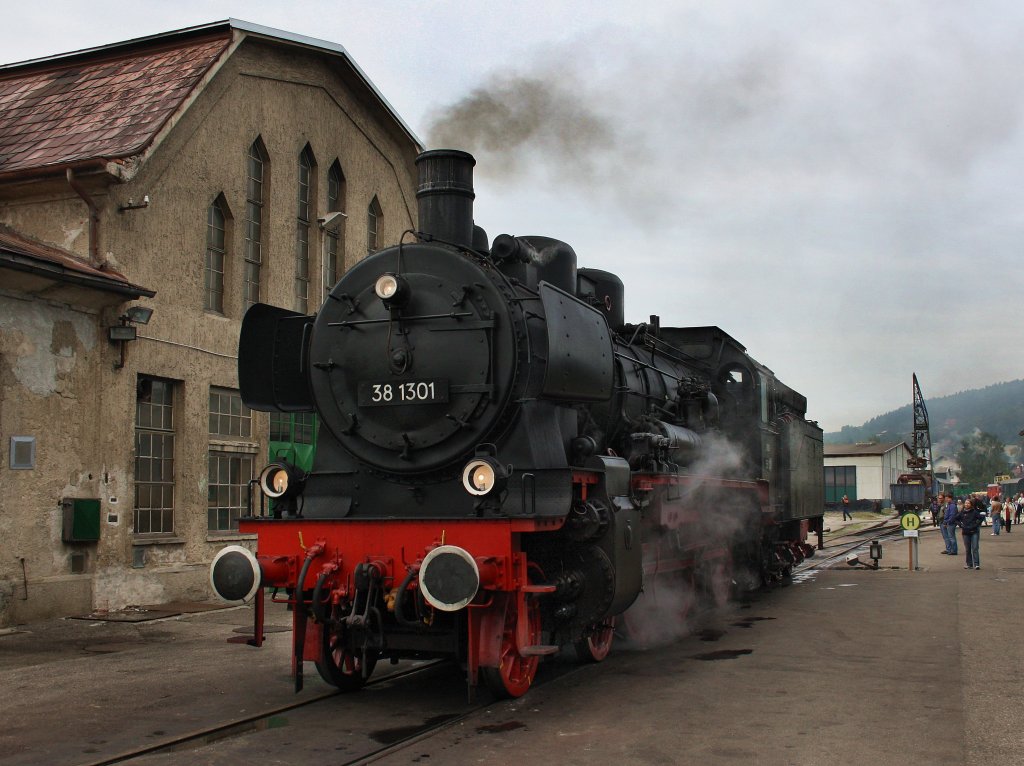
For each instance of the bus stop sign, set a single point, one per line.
(910, 522)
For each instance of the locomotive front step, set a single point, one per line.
(540, 650)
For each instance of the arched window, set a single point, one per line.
(374, 218)
(257, 172)
(217, 220)
(307, 166)
(334, 230)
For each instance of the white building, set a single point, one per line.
(863, 471)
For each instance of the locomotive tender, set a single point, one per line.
(503, 465)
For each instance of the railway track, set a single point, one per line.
(266, 719)
(217, 743)
(383, 743)
(839, 547)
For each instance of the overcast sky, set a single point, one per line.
(836, 185)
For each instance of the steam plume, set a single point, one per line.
(665, 610)
(513, 117)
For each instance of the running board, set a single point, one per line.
(539, 588)
(539, 650)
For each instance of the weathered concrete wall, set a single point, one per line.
(57, 368)
(49, 387)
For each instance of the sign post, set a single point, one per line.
(911, 523)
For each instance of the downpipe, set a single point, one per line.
(94, 220)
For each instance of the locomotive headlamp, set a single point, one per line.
(392, 289)
(483, 475)
(281, 479)
(386, 287)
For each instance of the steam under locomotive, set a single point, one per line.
(503, 465)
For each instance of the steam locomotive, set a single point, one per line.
(503, 466)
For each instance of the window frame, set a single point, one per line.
(231, 451)
(222, 519)
(257, 172)
(334, 234)
(243, 416)
(306, 194)
(144, 485)
(374, 217)
(211, 274)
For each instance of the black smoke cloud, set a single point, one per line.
(634, 132)
(845, 161)
(518, 115)
(797, 111)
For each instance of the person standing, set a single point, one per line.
(846, 508)
(997, 516)
(949, 526)
(939, 513)
(1007, 515)
(970, 524)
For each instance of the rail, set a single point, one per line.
(247, 724)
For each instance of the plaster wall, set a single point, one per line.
(49, 390)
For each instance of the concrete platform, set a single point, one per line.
(849, 666)
(882, 667)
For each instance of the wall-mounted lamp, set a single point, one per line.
(126, 331)
(139, 314)
(332, 219)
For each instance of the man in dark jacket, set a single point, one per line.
(949, 526)
(970, 523)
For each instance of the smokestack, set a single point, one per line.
(445, 195)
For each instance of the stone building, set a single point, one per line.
(192, 174)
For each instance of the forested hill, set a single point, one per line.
(997, 409)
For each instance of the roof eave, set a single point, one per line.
(43, 268)
(61, 57)
(60, 169)
(882, 449)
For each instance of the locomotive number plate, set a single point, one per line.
(430, 391)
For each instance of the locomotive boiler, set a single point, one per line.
(504, 466)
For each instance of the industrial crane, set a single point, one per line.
(913, 490)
